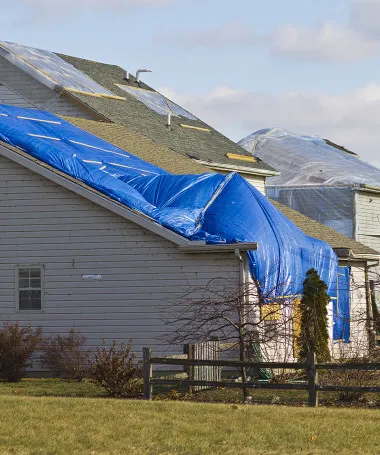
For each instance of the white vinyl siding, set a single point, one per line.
(368, 219)
(142, 273)
(257, 181)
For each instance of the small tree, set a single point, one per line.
(314, 335)
(233, 314)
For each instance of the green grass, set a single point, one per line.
(35, 387)
(55, 426)
(51, 387)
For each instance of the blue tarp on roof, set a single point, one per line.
(341, 306)
(210, 207)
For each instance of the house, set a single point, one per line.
(82, 249)
(90, 90)
(324, 181)
(73, 256)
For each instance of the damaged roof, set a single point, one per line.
(121, 137)
(140, 146)
(192, 138)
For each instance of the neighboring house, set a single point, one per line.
(352, 330)
(44, 80)
(80, 259)
(324, 181)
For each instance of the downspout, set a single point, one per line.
(242, 293)
(370, 321)
(355, 227)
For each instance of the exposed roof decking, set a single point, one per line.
(209, 146)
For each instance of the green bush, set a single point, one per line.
(314, 335)
(66, 356)
(17, 344)
(117, 371)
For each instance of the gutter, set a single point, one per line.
(231, 168)
(369, 188)
(365, 257)
(202, 247)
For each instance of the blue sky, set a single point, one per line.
(305, 65)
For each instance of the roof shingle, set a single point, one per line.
(209, 146)
(140, 146)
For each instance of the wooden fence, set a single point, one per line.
(311, 367)
(207, 350)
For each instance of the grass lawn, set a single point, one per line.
(36, 387)
(47, 425)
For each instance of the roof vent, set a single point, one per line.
(126, 76)
(141, 71)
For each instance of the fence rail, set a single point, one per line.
(311, 367)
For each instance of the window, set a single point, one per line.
(29, 281)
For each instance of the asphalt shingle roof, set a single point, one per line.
(138, 145)
(209, 146)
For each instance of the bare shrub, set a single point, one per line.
(117, 370)
(352, 378)
(17, 344)
(66, 356)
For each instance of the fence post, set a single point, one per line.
(147, 373)
(312, 375)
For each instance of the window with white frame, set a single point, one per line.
(29, 287)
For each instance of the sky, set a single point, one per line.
(312, 67)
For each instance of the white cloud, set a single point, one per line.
(365, 17)
(226, 35)
(329, 42)
(38, 11)
(349, 119)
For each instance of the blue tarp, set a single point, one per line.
(341, 306)
(211, 207)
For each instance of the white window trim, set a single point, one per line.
(17, 294)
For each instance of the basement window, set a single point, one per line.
(29, 288)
